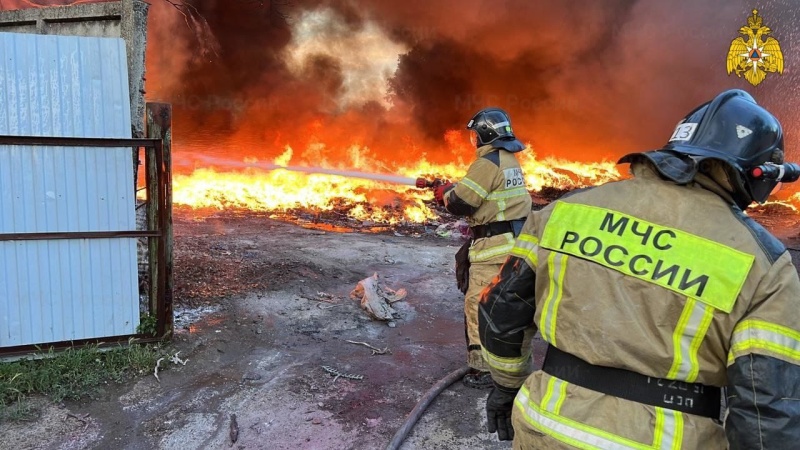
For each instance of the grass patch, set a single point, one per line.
(71, 374)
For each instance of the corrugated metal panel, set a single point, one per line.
(60, 290)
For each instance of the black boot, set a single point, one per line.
(477, 379)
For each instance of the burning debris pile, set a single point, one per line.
(322, 197)
(343, 215)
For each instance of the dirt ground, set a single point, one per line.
(262, 306)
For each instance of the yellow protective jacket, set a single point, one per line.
(493, 190)
(664, 280)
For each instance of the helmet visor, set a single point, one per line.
(473, 138)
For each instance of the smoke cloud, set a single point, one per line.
(582, 80)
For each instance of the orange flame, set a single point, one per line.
(218, 187)
(282, 190)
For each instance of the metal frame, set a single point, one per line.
(158, 178)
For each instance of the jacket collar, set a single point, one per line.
(485, 150)
(645, 169)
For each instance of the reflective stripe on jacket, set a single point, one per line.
(668, 281)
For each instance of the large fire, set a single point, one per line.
(357, 197)
(348, 88)
(361, 195)
(380, 87)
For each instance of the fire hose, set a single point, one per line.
(423, 403)
(441, 385)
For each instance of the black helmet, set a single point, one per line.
(493, 126)
(732, 129)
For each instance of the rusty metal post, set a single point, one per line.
(159, 126)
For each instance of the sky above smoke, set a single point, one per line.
(584, 80)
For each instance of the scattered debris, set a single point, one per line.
(234, 430)
(376, 299)
(321, 306)
(175, 360)
(183, 317)
(375, 351)
(155, 371)
(457, 230)
(323, 297)
(338, 374)
(81, 419)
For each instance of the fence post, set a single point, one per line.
(159, 126)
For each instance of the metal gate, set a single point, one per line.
(68, 235)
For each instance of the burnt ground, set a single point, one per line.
(261, 306)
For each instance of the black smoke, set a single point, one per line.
(582, 80)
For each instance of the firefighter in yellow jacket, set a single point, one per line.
(493, 198)
(654, 293)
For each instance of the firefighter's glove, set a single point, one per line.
(438, 192)
(498, 411)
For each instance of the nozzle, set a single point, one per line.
(422, 183)
(786, 173)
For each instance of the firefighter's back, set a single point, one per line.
(649, 277)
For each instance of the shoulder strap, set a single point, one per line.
(494, 157)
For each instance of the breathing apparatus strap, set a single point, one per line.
(691, 398)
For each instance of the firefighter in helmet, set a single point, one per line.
(493, 198)
(656, 295)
